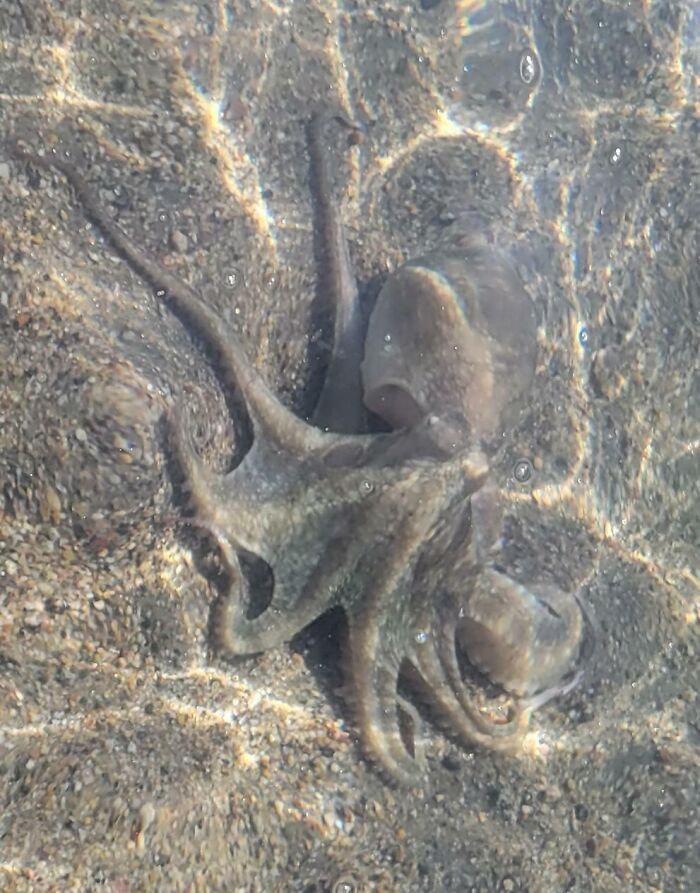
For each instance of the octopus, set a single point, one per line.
(383, 502)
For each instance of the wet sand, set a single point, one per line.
(132, 756)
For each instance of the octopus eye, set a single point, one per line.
(453, 336)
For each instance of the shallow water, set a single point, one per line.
(133, 756)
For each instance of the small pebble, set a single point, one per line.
(146, 815)
(178, 241)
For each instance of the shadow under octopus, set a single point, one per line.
(401, 527)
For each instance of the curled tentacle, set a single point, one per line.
(460, 713)
(525, 639)
(377, 705)
(569, 682)
(446, 648)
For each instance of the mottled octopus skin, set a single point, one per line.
(386, 525)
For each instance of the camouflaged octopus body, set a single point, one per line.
(398, 528)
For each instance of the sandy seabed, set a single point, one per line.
(132, 756)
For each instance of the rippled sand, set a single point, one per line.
(131, 757)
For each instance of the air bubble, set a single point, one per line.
(584, 337)
(421, 637)
(522, 471)
(366, 487)
(387, 338)
(528, 68)
(232, 279)
(616, 155)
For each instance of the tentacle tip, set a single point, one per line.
(392, 760)
(476, 467)
(395, 774)
(222, 624)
